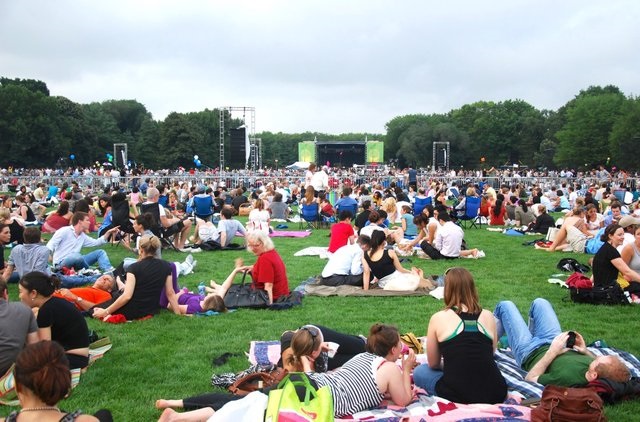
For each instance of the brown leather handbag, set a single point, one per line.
(257, 381)
(561, 404)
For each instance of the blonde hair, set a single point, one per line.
(389, 205)
(149, 245)
(5, 214)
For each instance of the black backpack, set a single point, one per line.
(599, 295)
(572, 265)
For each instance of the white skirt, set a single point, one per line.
(398, 281)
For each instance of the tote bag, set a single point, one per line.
(285, 406)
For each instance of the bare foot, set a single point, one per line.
(474, 253)
(167, 415)
(166, 404)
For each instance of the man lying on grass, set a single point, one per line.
(549, 355)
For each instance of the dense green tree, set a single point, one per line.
(145, 152)
(503, 133)
(31, 84)
(29, 131)
(179, 141)
(625, 135)
(584, 139)
(395, 128)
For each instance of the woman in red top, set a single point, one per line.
(268, 273)
(58, 219)
(497, 211)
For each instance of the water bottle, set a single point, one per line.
(201, 290)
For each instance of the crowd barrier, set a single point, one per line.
(250, 180)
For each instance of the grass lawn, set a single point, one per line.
(170, 356)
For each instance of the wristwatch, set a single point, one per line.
(78, 299)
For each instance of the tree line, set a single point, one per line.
(600, 125)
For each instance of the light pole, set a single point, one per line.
(276, 164)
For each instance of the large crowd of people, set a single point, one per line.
(375, 224)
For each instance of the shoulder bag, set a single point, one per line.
(257, 381)
(244, 295)
(561, 404)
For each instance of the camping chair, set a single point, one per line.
(420, 204)
(310, 214)
(471, 212)
(353, 208)
(160, 232)
(202, 207)
(120, 216)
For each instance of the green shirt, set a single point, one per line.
(566, 370)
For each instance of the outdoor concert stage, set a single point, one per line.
(341, 154)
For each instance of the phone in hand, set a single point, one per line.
(571, 341)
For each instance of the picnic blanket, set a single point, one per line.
(433, 408)
(518, 386)
(315, 289)
(292, 233)
(320, 251)
(425, 407)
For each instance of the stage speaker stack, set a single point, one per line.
(237, 156)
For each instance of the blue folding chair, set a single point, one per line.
(352, 208)
(310, 214)
(471, 213)
(203, 207)
(419, 204)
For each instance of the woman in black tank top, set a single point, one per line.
(461, 340)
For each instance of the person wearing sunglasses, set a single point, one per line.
(461, 340)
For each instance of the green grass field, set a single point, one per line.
(170, 356)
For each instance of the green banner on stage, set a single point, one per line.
(375, 152)
(307, 152)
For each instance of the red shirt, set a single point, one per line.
(497, 220)
(340, 233)
(269, 268)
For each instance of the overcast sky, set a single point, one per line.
(321, 66)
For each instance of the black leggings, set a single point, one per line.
(217, 400)
(77, 361)
(350, 346)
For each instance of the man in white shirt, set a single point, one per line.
(320, 180)
(447, 243)
(345, 264)
(67, 242)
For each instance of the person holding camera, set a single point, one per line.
(461, 340)
(549, 355)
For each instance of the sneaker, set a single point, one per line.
(189, 259)
(193, 265)
(481, 254)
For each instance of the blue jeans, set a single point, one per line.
(71, 281)
(426, 377)
(79, 261)
(542, 329)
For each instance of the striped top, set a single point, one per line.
(353, 386)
